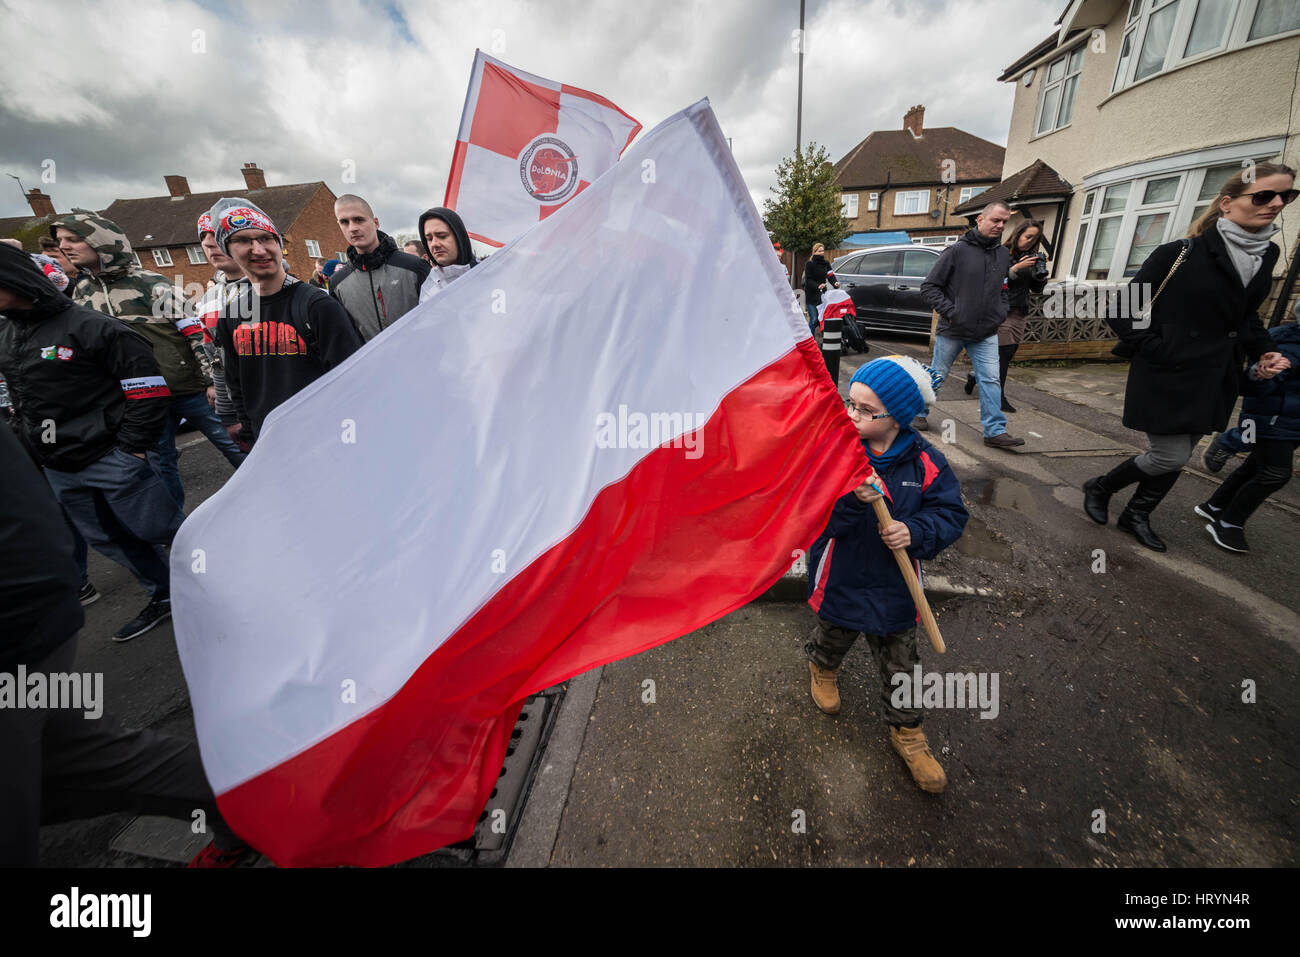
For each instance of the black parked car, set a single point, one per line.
(884, 283)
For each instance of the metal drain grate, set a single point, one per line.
(168, 839)
(490, 842)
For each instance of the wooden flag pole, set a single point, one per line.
(913, 583)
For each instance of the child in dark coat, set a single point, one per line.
(1270, 415)
(854, 582)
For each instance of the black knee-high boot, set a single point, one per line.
(1136, 517)
(1097, 491)
(1005, 354)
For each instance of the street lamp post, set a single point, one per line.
(798, 121)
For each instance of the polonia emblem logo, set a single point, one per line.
(548, 169)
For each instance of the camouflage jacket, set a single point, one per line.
(146, 301)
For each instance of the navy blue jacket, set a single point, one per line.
(853, 579)
(1274, 403)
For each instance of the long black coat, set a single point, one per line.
(1184, 375)
(815, 272)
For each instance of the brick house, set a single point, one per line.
(1143, 108)
(162, 228)
(29, 229)
(913, 179)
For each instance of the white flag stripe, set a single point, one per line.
(487, 208)
(585, 125)
(328, 562)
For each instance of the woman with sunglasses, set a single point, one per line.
(1187, 355)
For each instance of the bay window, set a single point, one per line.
(1162, 35)
(1123, 222)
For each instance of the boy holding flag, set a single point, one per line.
(855, 585)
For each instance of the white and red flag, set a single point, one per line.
(609, 434)
(526, 146)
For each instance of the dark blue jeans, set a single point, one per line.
(1230, 441)
(120, 505)
(80, 550)
(195, 408)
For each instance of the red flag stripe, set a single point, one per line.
(653, 548)
(453, 182)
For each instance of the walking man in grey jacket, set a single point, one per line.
(379, 283)
(967, 288)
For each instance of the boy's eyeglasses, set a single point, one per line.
(854, 410)
(1262, 197)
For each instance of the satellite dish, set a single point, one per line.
(934, 214)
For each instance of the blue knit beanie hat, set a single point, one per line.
(902, 384)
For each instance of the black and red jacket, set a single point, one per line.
(81, 382)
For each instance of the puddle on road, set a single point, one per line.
(978, 540)
(1010, 494)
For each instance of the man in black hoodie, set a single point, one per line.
(90, 403)
(446, 242)
(379, 283)
(967, 287)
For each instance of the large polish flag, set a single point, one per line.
(526, 146)
(614, 431)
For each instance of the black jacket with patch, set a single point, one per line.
(80, 382)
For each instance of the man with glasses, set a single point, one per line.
(967, 287)
(297, 332)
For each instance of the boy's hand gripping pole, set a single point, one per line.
(909, 573)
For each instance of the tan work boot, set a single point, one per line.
(911, 745)
(825, 688)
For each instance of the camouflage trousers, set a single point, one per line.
(894, 653)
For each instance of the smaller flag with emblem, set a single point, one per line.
(526, 146)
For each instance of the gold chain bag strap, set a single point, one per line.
(1143, 320)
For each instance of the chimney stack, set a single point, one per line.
(41, 204)
(177, 185)
(914, 120)
(254, 178)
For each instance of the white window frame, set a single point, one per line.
(873, 202)
(1235, 37)
(1180, 209)
(197, 256)
(135, 257)
(970, 192)
(161, 256)
(923, 202)
(313, 248)
(1045, 71)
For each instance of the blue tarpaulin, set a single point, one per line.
(875, 239)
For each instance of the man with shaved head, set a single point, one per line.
(379, 283)
(967, 287)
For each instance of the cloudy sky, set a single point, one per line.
(119, 94)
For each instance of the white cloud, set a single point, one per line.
(117, 95)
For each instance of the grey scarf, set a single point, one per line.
(1245, 247)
